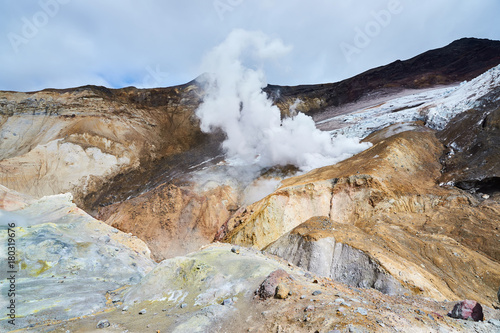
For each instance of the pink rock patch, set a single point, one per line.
(467, 310)
(268, 287)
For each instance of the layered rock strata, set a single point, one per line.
(435, 240)
(312, 246)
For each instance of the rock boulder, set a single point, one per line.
(467, 310)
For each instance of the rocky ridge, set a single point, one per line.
(385, 202)
(383, 241)
(462, 60)
(56, 141)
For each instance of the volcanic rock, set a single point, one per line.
(228, 301)
(309, 308)
(312, 247)
(461, 60)
(173, 220)
(362, 311)
(282, 291)
(213, 274)
(386, 203)
(103, 324)
(466, 310)
(472, 158)
(64, 268)
(268, 287)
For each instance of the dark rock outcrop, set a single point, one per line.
(467, 310)
(472, 160)
(461, 60)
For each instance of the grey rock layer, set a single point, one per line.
(335, 260)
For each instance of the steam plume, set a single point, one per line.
(235, 103)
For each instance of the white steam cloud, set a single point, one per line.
(235, 103)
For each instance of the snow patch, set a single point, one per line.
(434, 107)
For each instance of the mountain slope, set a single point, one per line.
(382, 241)
(461, 60)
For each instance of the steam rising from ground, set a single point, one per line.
(235, 103)
(259, 189)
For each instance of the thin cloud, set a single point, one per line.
(119, 43)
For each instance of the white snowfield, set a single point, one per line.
(436, 107)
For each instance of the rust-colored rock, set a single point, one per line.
(268, 287)
(80, 138)
(437, 241)
(172, 220)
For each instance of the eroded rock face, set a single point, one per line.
(73, 140)
(387, 203)
(87, 140)
(312, 246)
(387, 177)
(472, 158)
(178, 217)
(67, 263)
(173, 220)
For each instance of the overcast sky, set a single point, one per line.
(68, 43)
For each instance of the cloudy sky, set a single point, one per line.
(118, 43)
